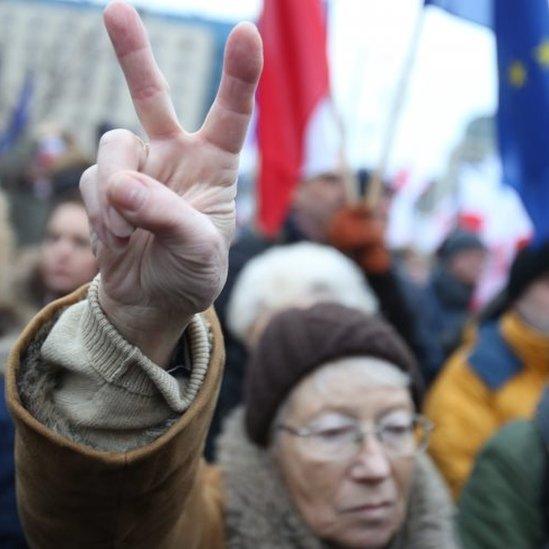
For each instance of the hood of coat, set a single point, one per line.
(259, 512)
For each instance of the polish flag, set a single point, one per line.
(297, 130)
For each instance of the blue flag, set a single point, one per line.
(19, 116)
(522, 33)
(478, 11)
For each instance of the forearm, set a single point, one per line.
(125, 494)
(106, 392)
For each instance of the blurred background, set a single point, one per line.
(413, 93)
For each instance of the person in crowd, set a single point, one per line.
(283, 276)
(499, 375)
(445, 303)
(112, 389)
(294, 275)
(11, 533)
(64, 260)
(505, 502)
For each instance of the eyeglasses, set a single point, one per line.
(397, 438)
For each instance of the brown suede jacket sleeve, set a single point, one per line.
(161, 495)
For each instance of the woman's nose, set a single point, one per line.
(371, 462)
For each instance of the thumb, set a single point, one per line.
(148, 204)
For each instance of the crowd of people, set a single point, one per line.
(167, 385)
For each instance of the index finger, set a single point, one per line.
(147, 85)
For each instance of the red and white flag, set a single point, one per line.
(296, 127)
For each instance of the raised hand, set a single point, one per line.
(162, 213)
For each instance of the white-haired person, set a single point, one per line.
(294, 275)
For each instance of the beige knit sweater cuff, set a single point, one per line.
(107, 383)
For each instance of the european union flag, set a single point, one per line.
(522, 35)
(19, 116)
(478, 11)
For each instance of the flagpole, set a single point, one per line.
(375, 184)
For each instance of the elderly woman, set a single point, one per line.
(328, 450)
(112, 390)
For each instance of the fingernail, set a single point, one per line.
(129, 193)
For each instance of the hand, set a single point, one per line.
(358, 232)
(163, 214)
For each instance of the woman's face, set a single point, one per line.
(67, 260)
(356, 497)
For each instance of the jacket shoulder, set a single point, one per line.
(514, 442)
(500, 504)
(492, 359)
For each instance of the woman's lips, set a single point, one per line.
(369, 510)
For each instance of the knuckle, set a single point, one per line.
(119, 136)
(150, 90)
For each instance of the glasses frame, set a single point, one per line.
(362, 433)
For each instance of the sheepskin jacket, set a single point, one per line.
(161, 493)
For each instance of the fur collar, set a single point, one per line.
(259, 512)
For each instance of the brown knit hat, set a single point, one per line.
(297, 341)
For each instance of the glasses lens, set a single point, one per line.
(335, 442)
(398, 438)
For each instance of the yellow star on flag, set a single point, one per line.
(542, 53)
(517, 74)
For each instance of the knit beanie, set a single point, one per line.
(458, 241)
(298, 341)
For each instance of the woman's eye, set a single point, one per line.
(335, 432)
(397, 430)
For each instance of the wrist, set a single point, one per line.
(155, 333)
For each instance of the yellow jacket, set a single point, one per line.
(496, 378)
